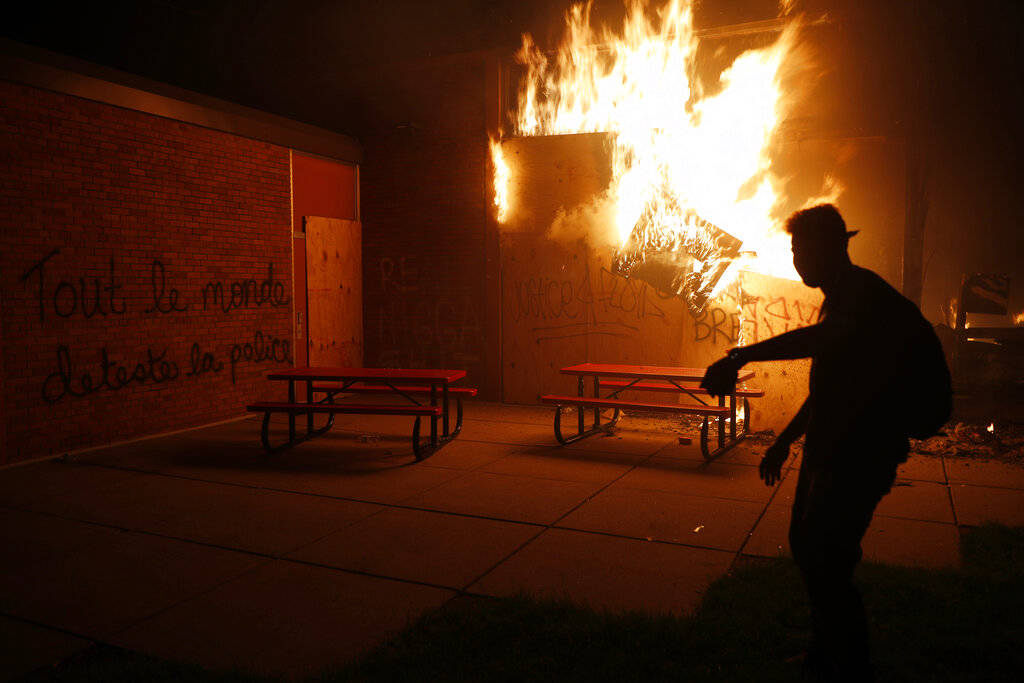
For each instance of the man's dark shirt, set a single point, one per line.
(852, 405)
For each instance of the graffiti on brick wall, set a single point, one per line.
(103, 296)
(419, 323)
(594, 303)
(724, 321)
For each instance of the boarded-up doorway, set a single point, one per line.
(334, 281)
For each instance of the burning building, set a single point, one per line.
(613, 195)
(651, 187)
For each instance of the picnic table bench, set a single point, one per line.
(328, 383)
(679, 381)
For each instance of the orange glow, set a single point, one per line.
(501, 178)
(678, 153)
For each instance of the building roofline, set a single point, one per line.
(40, 68)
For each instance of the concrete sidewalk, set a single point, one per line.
(198, 547)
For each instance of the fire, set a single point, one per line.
(991, 428)
(1018, 319)
(501, 179)
(684, 156)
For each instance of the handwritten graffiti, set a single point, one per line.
(157, 367)
(245, 293)
(716, 323)
(598, 303)
(260, 350)
(93, 296)
(104, 296)
(202, 362)
(759, 318)
(165, 297)
(110, 375)
(399, 275)
(65, 299)
(418, 323)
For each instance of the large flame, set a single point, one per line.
(675, 147)
(501, 180)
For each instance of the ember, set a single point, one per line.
(974, 441)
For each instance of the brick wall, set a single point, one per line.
(146, 272)
(424, 213)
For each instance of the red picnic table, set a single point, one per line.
(330, 382)
(682, 382)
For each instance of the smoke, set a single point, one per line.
(831, 190)
(593, 222)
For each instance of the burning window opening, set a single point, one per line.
(691, 169)
(677, 252)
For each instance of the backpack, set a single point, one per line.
(927, 388)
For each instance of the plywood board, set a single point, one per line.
(335, 291)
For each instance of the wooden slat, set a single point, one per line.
(368, 374)
(645, 372)
(375, 389)
(689, 409)
(651, 386)
(353, 409)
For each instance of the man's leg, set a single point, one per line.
(805, 546)
(832, 510)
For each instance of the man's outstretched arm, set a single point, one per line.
(806, 342)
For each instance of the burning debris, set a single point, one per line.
(688, 154)
(677, 252)
(1003, 442)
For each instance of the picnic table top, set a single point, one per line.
(334, 374)
(646, 372)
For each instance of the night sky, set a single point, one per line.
(959, 61)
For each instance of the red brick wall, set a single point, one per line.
(424, 213)
(113, 224)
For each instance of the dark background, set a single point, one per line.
(956, 65)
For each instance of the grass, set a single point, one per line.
(928, 625)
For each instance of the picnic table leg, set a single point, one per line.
(444, 407)
(597, 394)
(732, 416)
(291, 415)
(309, 413)
(433, 418)
(580, 390)
(721, 422)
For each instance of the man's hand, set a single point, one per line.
(771, 464)
(720, 377)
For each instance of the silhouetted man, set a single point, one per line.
(853, 441)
